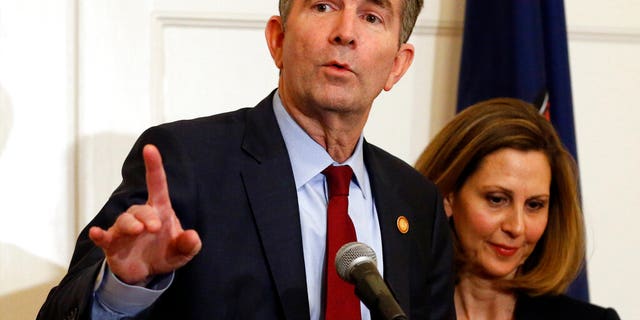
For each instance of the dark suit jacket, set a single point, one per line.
(560, 307)
(230, 179)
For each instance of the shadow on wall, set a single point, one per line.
(18, 267)
(6, 118)
(26, 279)
(99, 163)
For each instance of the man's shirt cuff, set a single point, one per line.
(122, 298)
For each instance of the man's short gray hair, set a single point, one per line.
(410, 11)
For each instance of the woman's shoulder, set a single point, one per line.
(560, 307)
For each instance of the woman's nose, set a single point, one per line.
(513, 223)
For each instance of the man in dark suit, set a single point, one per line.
(231, 222)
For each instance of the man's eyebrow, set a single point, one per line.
(382, 3)
(385, 4)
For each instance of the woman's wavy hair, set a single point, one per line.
(455, 153)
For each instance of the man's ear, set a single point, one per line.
(448, 205)
(274, 34)
(401, 63)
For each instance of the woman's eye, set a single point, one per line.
(495, 200)
(536, 205)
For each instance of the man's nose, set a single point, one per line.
(344, 29)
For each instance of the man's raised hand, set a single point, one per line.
(147, 240)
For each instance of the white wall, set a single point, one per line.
(79, 80)
(604, 50)
(37, 224)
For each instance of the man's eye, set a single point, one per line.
(372, 18)
(322, 7)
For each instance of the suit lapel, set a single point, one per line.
(390, 206)
(270, 187)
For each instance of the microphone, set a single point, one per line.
(356, 264)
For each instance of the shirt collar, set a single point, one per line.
(308, 158)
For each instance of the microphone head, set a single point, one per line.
(351, 255)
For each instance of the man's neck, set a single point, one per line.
(336, 132)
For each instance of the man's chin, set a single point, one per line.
(340, 99)
(338, 104)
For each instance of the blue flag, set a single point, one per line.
(518, 48)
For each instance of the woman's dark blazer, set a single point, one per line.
(563, 307)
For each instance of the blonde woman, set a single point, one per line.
(510, 192)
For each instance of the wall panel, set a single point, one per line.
(605, 76)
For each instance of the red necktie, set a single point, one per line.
(341, 302)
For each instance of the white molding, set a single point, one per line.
(438, 28)
(211, 20)
(156, 70)
(577, 33)
(604, 34)
(73, 93)
(162, 20)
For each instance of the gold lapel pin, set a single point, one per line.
(403, 224)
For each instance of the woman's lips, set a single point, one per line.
(503, 250)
